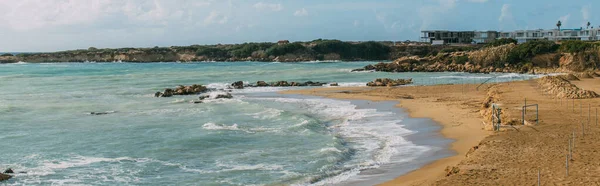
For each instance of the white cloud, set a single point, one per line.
(41, 14)
(430, 15)
(301, 12)
(564, 19)
(268, 6)
(215, 18)
(585, 12)
(505, 13)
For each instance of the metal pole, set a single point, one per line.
(525, 110)
(570, 151)
(523, 115)
(567, 165)
(538, 177)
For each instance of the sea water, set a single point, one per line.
(259, 137)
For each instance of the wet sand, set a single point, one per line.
(510, 157)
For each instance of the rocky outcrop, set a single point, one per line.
(285, 84)
(224, 96)
(182, 90)
(238, 85)
(4, 177)
(488, 56)
(334, 84)
(389, 82)
(9, 171)
(563, 88)
(569, 77)
(584, 75)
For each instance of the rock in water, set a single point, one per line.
(238, 85)
(224, 96)
(262, 84)
(203, 97)
(4, 177)
(182, 90)
(334, 84)
(9, 171)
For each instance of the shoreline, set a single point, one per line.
(422, 106)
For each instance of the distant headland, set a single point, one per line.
(500, 55)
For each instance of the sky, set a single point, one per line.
(54, 25)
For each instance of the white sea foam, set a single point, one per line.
(213, 126)
(377, 136)
(353, 84)
(225, 167)
(268, 113)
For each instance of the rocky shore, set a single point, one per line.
(389, 82)
(182, 90)
(241, 85)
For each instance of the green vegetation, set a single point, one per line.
(212, 52)
(279, 50)
(7, 54)
(526, 51)
(245, 50)
(503, 41)
(461, 59)
(576, 46)
(458, 49)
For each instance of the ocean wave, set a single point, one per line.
(375, 136)
(213, 126)
(267, 113)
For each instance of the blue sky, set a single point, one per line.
(51, 25)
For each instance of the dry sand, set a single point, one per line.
(510, 157)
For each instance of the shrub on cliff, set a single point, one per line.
(278, 50)
(246, 49)
(7, 54)
(457, 49)
(576, 46)
(211, 52)
(502, 41)
(366, 50)
(526, 51)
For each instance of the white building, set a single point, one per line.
(553, 35)
(522, 36)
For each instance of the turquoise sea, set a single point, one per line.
(259, 137)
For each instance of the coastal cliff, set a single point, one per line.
(317, 50)
(530, 57)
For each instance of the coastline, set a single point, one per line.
(459, 122)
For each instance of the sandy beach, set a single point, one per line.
(512, 156)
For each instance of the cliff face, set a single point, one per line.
(582, 61)
(495, 59)
(491, 56)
